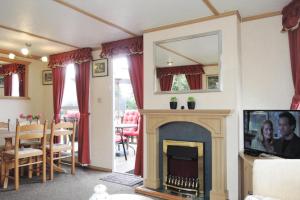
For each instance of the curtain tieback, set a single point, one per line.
(296, 97)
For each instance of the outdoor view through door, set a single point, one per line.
(126, 118)
(69, 108)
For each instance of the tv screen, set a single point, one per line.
(275, 132)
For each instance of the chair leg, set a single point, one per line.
(51, 165)
(73, 162)
(5, 179)
(30, 168)
(44, 163)
(2, 170)
(17, 174)
(38, 166)
(124, 150)
(59, 160)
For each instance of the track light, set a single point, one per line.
(44, 59)
(11, 56)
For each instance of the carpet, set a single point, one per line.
(123, 179)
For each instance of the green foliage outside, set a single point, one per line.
(130, 104)
(180, 83)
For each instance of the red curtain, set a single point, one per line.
(126, 47)
(165, 82)
(8, 85)
(21, 84)
(58, 75)
(194, 81)
(82, 88)
(136, 73)
(290, 22)
(193, 74)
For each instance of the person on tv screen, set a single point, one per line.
(264, 139)
(289, 144)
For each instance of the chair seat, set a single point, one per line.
(59, 147)
(24, 153)
(131, 134)
(118, 139)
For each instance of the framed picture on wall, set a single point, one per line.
(100, 68)
(1, 81)
(212, 81)
(47, 77)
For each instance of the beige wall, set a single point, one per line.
(267, 81)
(227, 99)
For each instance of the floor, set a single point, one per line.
(64, 187)
(122, 165)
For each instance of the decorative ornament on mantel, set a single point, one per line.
(191, 103)
(173, 103)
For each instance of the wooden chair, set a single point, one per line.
(56, 150)
(20, 157)
(3, 126)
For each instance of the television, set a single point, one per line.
(275, 132)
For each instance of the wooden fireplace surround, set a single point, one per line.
(213, 120)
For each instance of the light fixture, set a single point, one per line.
(44, 59)
(25, 50)
(170, 63)
(11, 56)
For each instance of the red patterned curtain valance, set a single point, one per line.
(291, 16)
(76, 56)
(126, 46)
(13, 68)
(187, 70)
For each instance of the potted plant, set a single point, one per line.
(191, 103)
(173, 103)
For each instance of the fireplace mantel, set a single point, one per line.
(213, 120)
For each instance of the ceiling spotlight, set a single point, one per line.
(170, 63)
(25, 50)
(44, 59)
(11, 56)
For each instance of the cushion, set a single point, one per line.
(25, 152)
(59, 147)
(258, 197)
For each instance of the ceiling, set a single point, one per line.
(188, 51)
(54, 26)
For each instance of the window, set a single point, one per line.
(15, 85)
(70, 94)
(180, 83)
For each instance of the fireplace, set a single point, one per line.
(183, 165)
(211, 122)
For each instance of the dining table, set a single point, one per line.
(120, 130)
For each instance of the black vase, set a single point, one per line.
(191, 105)
(173, 105)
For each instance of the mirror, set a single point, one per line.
(13, 76)
(188, 64)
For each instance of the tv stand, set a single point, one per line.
(247, 166)
(251, 153)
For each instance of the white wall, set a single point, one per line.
(227, 99)
(12, 108)
(267, 80)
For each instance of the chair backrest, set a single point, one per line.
(5, 125)
(62, 129)
(131, 117)
(30, 132)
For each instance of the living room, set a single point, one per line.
(255, 72)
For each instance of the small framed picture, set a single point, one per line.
(47, 77)
(212, 81)
(100, 68)
(1, 81)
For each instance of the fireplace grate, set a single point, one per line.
(183, 185)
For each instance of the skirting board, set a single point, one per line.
(99, 168)
(145, 191)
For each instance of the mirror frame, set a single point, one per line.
(26, 63)
(156, 43)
